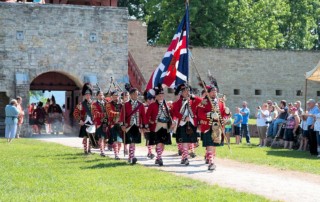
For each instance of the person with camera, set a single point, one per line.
(262, 115)
(184, 114)
(292, 124)
(282, 109)
(160, 123)
(245, 112)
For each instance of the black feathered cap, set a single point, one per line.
(53, 99)
(148, 95)
(158, 90)
(181, 88)
(86, 89)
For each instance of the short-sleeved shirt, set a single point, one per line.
(245, 118)
(284, 114)
(314, 110)
(317, 123)
(237, 118)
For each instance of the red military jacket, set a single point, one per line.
(177, 105)
(80, 113)
(99, 113)
(152, 114)
(113, 112)
(204, 119)
(126, 114)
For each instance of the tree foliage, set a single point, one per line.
(270, 24)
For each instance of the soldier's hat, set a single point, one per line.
(148, 95)
(53, 99)
(181, 88)
(158, 90)
(86, 89)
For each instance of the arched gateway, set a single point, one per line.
(61, 81)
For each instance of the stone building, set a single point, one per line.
(59, 47)
(242, 74)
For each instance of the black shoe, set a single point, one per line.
(102, 154)
(134, 160)
(212, 166)
(179, 152)
(192, 155)
(86, 153)
(89, 152)
(182, 161)
(160, 162)
(117, 158)
(207, 161)
(150, 156)
(156, 162)
(186, 162)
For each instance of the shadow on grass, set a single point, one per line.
(106, 165)
(291, 154)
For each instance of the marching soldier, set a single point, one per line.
(149, 98)
(133, 119)
(100, 120)
(125, 98)
(210, 114)
(160, 123)
(115, 133)
(83, 114)
(184, 114)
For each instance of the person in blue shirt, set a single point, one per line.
(11, 120)
(245, 112)
(312, 110)
(237, 124)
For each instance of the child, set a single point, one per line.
(304, 135)
(237, 124)
(228, 124)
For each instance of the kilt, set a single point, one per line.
(161, 136)
(207, 140)
(133, 135)
(100, 133)
(83, 132)
(115, 134)
(150, 139)
(183, 137)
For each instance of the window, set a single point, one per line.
(278, 92)
(257, 92)
(318, 93)
(299, 92)
(236, 91)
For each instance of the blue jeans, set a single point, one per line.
(245, 132)
(275, 126)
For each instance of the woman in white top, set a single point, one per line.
(262, 115)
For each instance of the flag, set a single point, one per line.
(174, 67)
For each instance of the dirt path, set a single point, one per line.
(265, 181)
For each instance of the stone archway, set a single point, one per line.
(61, 81)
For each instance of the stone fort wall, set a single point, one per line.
(242, 74)
(77, 41)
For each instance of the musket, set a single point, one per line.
(212, 105)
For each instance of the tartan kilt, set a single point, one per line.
(133, 135)
(183, 137)
(100, 133)
(115, 134)
(207, 140)
(161, 136)
(147, 137)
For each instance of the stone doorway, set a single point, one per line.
(59, 82)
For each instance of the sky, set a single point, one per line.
(59, 96)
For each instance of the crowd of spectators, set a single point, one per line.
(283, 122)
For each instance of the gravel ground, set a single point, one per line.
(269, 182)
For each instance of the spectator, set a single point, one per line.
(237, 124)
(317, 130)
(304, 134)
(20, 117)
(245, 112)
(313, 110)
(297, 104)
(283, 114)
(39, 115)
(11, 120)
(228, 124)
(292, 125)
(262, 115)
(47, 124)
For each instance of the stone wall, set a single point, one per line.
(77, 41)
(246, 70)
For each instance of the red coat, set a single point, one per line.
(80, 113)
(151, 115)
(204, 120)
(113, 111)
(99, 113)
(176, 106)
(126, 113)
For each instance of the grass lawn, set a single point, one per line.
(32, 170)
(279, 158)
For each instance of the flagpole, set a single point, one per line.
(207, 94)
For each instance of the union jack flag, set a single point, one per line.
(174, 68)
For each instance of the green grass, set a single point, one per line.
(279, 158)
(31, 170)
